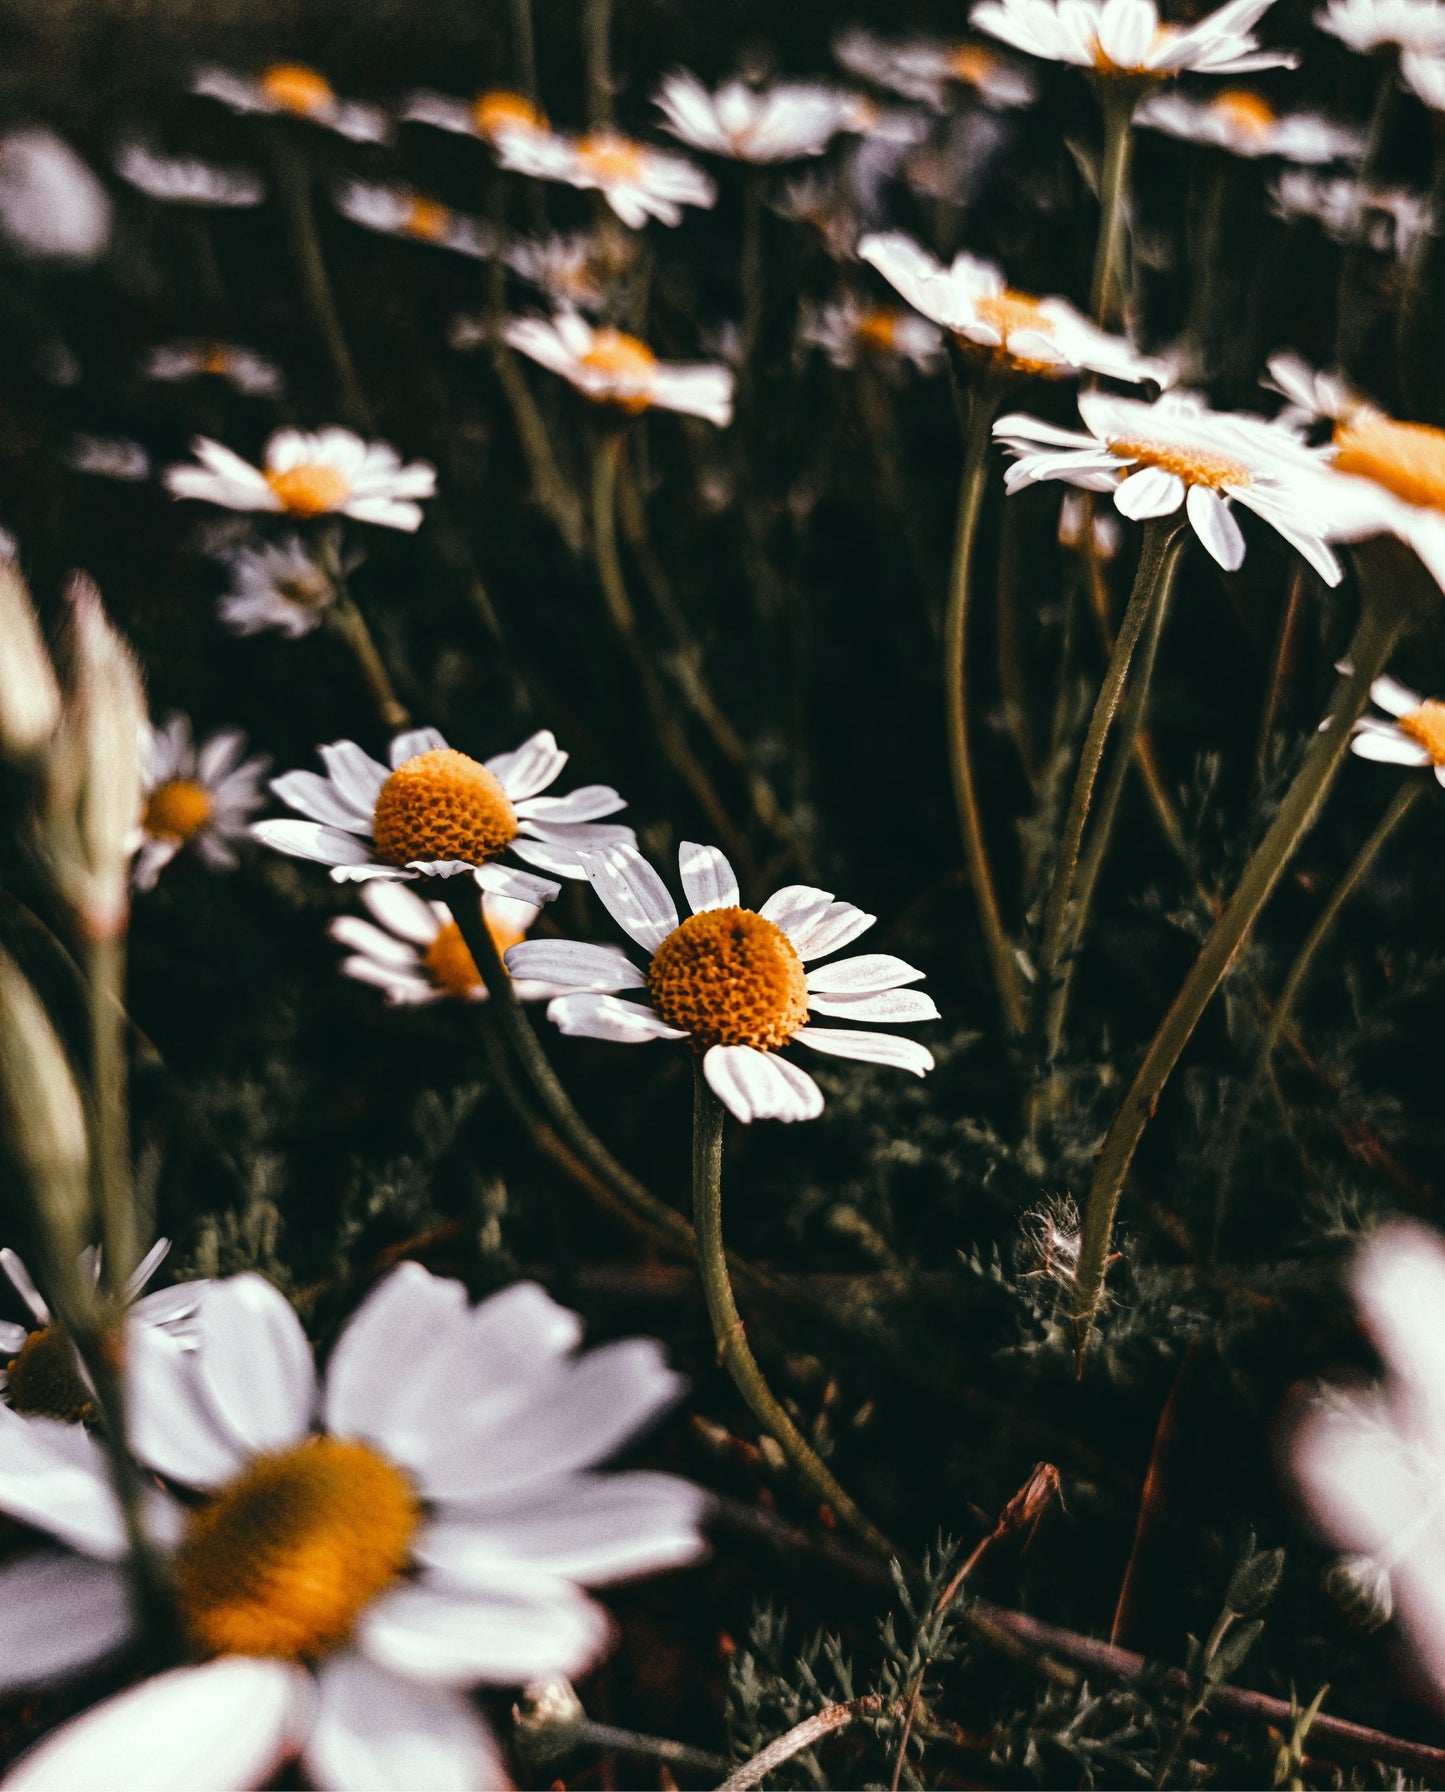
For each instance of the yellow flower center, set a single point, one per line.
(310, 489)
(973, 64)
(1008, 311)
(608, 157)
(1106, 66)
(730, 977)
(498, 111)
(295, 88)
(622, 357)
(176, 810)
(427, 219)
(214, 359)
(442, 805)
(1408, 459)
(1426, 727)
(1191, 462)
(1246, 111)
(43, 1379)
(879, 330)
(449, 962)
(286, 1557)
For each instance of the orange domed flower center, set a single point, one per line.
(498, 111)
(310, 489)
(427, 219)
(1408, 459)
(1193, 462)
(43, 1379)
(1426, 727)
(879, 330)
(295, 88)
(730, 977)
(608, 157)
(1009, 311)
(442, 805)
(178, 809)
(287, 1556)
(973, 64)
(449, 961)
(1246, 111)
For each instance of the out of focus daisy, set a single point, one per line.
(574, 271)
(255, 375)
(1413, 734)
(399, 211)
(770, 124)
(275, 585)
(1389, 479)
(1245, 124)
(971, 299)
(613, 368)
(817, 199)
(927, 70)
(52, 207)
(332, 473)
(1127, 37)
(1367, 25)
(1156, 457)
(1388, 220)
(198, 798)
(291, 90)
(1075, 513)
(1423, 72)
(731, 981)
(435, 812)
(637, 181)
(414, 952)
(186, 180)
(356, 1551)
(1312, 395)
(848, 331)
(489, 117)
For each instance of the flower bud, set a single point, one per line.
(29, 693)
(548, 1717)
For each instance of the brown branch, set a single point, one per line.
(804, 1735)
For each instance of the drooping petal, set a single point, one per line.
(377, 1732)
(1216, 526)
(754, 1085)
(1150, 492)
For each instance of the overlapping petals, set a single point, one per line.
(333, 472)
(611, 368)
(1126, 37)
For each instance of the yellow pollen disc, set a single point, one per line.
(1408, 459)
(623, 357)
(730, 977)
(1245, 110)
(1426, 727)
(500, 111)
(286, 1557)
(1194, 465)
(442, 805)
(879, 330)
(450, 964)
(214, 359)
(43, 1379)
(310, 490)
(608, 157)
(177, 810)
(973, 64)
(427, 219)
(297, 89)
(1008, 311)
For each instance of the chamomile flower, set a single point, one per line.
(637, 181)
(415, 952)
(731, 981)
(574, 271)
(1387, 220)
(849, 331)
(971, 299)
(489, 117)
(107, 457)
(199, 798)
(613, 368)
(1388, 478)
(816, 198)
(1414, 734)
(354, 1551)
(186, 180)
(1367, 25)
(1423, 72)
(291, 90)
(1126, 37)
(1244, 123)
(436, 812)
(255, 375)
(52, 208)
(331, 473)
(749, 124)
(275, 585)
(399, 211)
(1155, 457)
(927, 70)
(1312, 395)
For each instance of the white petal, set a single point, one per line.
(54, 1476)
(501, 1637)
(894, 1007)
(633, 894)
(402, 911)
(1216, 526)
(1398, 1280)
(589, 802)
(1388, 749)
(590, 1016)
(535, 764)
(319, 799)
(309, 840)
(375, 1732)
(21, 1282)
(519, 886)
(254, 1363)
(575, 965)
(838, 926)
(171, 1426)
(146, 1268)
(360, 936)
(796, 908)
(59, 1614)
(1393, 697)
(755, 1085)
(355, 774)
(873, 970)
(708, 881)
(12, 1337)
(413, 743)
(412, 1316)
(1149, 492)
(868, 1048)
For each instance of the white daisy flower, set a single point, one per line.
(1312, 395)
(357, 1550)
(817, 199)
(275, 585)
(1245, 124)
(185, 180)
(199, 798)
(1414, 733)
(613, 368)
(52, 208)
(42, 1376)
(438, 813)
(1126, 37)
(637, 181)
(849, 331)
(255, 375)
(292, 90)
(1423, 72)
(1388, 478)
(1388, 220)
(749, 124)
(926, 70)
(416, 953)
(108, 457)
(731, 981)
(971, 299)
(331, 473)
(1155, 457)
(399, 211)
(1366, 25)
(573, 271)
(489, 117)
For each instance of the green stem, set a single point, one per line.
(346, 621)
(110, 1109)
(1349, 327)
(550, 490)
(1118, 110)
(751, 275)
(727, 1326)
(597, 55)
(1379, 624)
(293, 186)
(524, 48)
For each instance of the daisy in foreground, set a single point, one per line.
(331, 473)
(1155, 457)
(203, 799)
(772, 124)
(613, 368)
(438, 813)
(731, 980)
(1395, 484)
(415, 952)
(364, 1548)
(971, 299)
(290, 89)
(1414, 734)
(1127, 38)
(638, 182)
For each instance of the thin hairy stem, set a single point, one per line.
(294, 188)
(1350, 323)
(524, 49)
(597, 56)
(1282, 669)
(348, 624)
(805, 1735)
(1118, 109)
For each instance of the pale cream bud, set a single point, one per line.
(548, 1717)
(29, 693)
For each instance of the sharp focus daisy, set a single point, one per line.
(637, 181)
(400, 211)
(353, 1553)
(255, 375)
(749, 124)
(414, 952)
(1388, 220)
(1367, 25)
(848, 331)
(927, 70)
(613, 368)
(490, 117)
(291, 90)
(185, 180)
(1126, 37)
(1245, 124)
(1156, 457)
(971, 299)
(436, 812)
(331, 473)
(732, 981)
(1411, 732)
(52, 208)
(275, 585)
(201, 798)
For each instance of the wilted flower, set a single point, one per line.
(1366, 25)
(772, 124)
(399, 211)
(1126, 37)
(416, 952)
(186, 180)
(613, 368)
(1414, 735)
(275, 585)
(848, 332)
(1387, 220)
(331, 473)
(637, 181)
(52, 208)
(1245, 124)
(490, 116)
(108, 457)
(294, 91)
(255, 375)
(731, 980)
(202, 798)
(926, 69)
